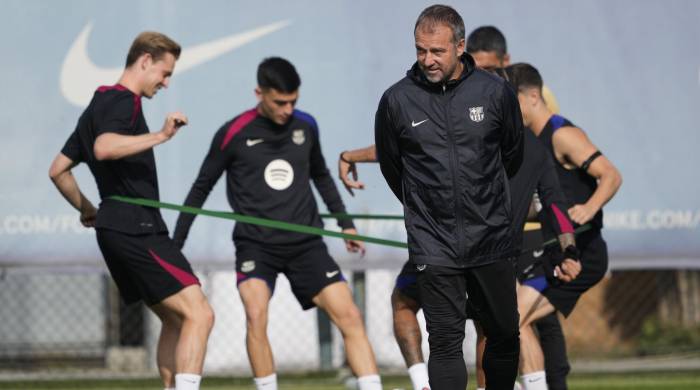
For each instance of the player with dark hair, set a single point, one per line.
(589, 180)
(270, 154)
(488, 47)
(113, 139)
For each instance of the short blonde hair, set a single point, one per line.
(153, 43)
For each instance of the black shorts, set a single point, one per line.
(564, 296)
(528, 267)
(406, 282)
(147, 267)
(307, 265)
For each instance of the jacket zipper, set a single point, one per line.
(453, 164)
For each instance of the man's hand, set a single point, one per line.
(172, 124)
(582, 213)
(88, 215)
(568, 270)
(354, 246)
(345, 169)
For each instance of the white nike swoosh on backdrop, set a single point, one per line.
(80, 76)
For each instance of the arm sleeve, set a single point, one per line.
(72, 148)
(214, 165)
(554, 203)
(324, 182)
(512, 125)
(388, 156)
(117, 116)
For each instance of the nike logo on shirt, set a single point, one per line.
(253, 142)
(414, 124)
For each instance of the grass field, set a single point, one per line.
(655, 380)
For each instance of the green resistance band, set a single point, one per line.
(292, 227)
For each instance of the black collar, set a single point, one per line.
(417, 75)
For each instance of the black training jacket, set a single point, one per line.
(446, 151)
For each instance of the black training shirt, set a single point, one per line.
(115, 109)
(268, 172)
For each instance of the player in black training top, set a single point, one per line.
(589, 180)
(270, 154)
(112, 138)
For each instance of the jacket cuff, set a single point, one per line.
(346, 224)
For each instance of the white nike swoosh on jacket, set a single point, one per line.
(80, 76)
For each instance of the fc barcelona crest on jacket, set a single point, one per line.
(298, 137)
(476, 114)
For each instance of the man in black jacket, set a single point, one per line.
(448, 136)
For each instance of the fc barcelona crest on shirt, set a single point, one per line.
(298, 137)
(476, 114)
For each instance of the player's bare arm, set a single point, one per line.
(113, 146)
(62, 177)
(573, 149)
(347, 167)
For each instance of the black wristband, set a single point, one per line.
(343, 159)
(571, 252)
